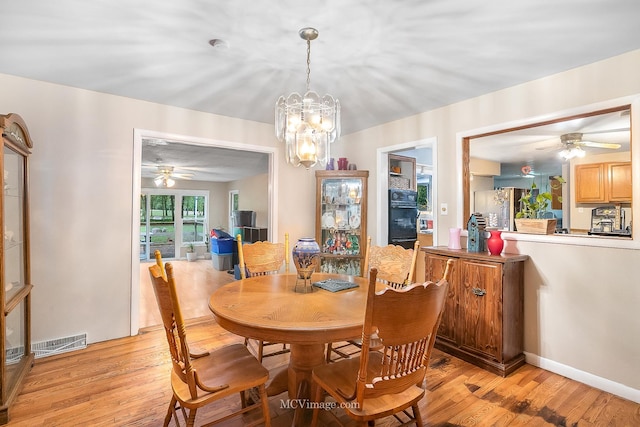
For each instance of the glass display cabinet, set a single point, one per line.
(15, 289)
(341, 220)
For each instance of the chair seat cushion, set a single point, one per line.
(233, 365)
(342, 374)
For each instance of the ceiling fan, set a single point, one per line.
(572, 145)
(166, 175)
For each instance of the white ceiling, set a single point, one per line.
(384, 60)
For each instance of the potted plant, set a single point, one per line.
(531, 219)
(191, 252)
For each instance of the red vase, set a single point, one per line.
(495, 244)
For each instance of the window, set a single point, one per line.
(194, 218)
(171, 219)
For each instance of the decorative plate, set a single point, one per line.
(327, 220)
(354, 221)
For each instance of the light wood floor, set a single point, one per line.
(125, 382)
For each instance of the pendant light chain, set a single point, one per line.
(308, 65)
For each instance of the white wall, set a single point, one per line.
(81, 197)
(253, 196)
(581, 302)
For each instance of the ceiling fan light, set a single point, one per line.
(571, 152)
(164, 181)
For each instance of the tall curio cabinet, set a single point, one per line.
(341, 220)
(15, 289)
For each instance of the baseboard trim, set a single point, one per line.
(604, 384)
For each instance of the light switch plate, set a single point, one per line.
(444, 209)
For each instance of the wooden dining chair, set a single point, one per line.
(387, 379)
(158, 256)
(258, 259)
(396, 267)
(202, 379)
(395, 264)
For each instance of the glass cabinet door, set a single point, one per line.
(341, 220)
(13, 214)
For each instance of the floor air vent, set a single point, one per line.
(60, 345)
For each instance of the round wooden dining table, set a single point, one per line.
(269, 308)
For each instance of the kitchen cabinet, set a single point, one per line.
(15, 289)
(482, 322)
(402, 172)
(619, 188)
(341, 220)
(603, 182)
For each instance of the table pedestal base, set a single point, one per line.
(303, 358)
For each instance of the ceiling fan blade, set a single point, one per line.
(595, 132)
(600, 145)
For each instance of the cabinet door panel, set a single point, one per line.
(620, 182)
(590, 183)
(434, 270)
(481, 307)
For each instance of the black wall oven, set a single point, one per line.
(403, 216)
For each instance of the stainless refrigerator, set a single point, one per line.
(498, 207)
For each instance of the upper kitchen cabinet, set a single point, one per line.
(341, 220)
(15, 289)
(603, 182)
(402, 172)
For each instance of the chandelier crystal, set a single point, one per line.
(307, 124)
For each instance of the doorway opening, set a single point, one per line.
(425, 173)
(246, 151)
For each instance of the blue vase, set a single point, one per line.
(306, 257)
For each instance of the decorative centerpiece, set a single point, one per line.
(306, 258)
(534, 205)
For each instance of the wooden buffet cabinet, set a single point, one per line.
(482, 322)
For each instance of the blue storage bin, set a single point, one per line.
(223, 245)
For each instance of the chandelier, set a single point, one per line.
(307, 124)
